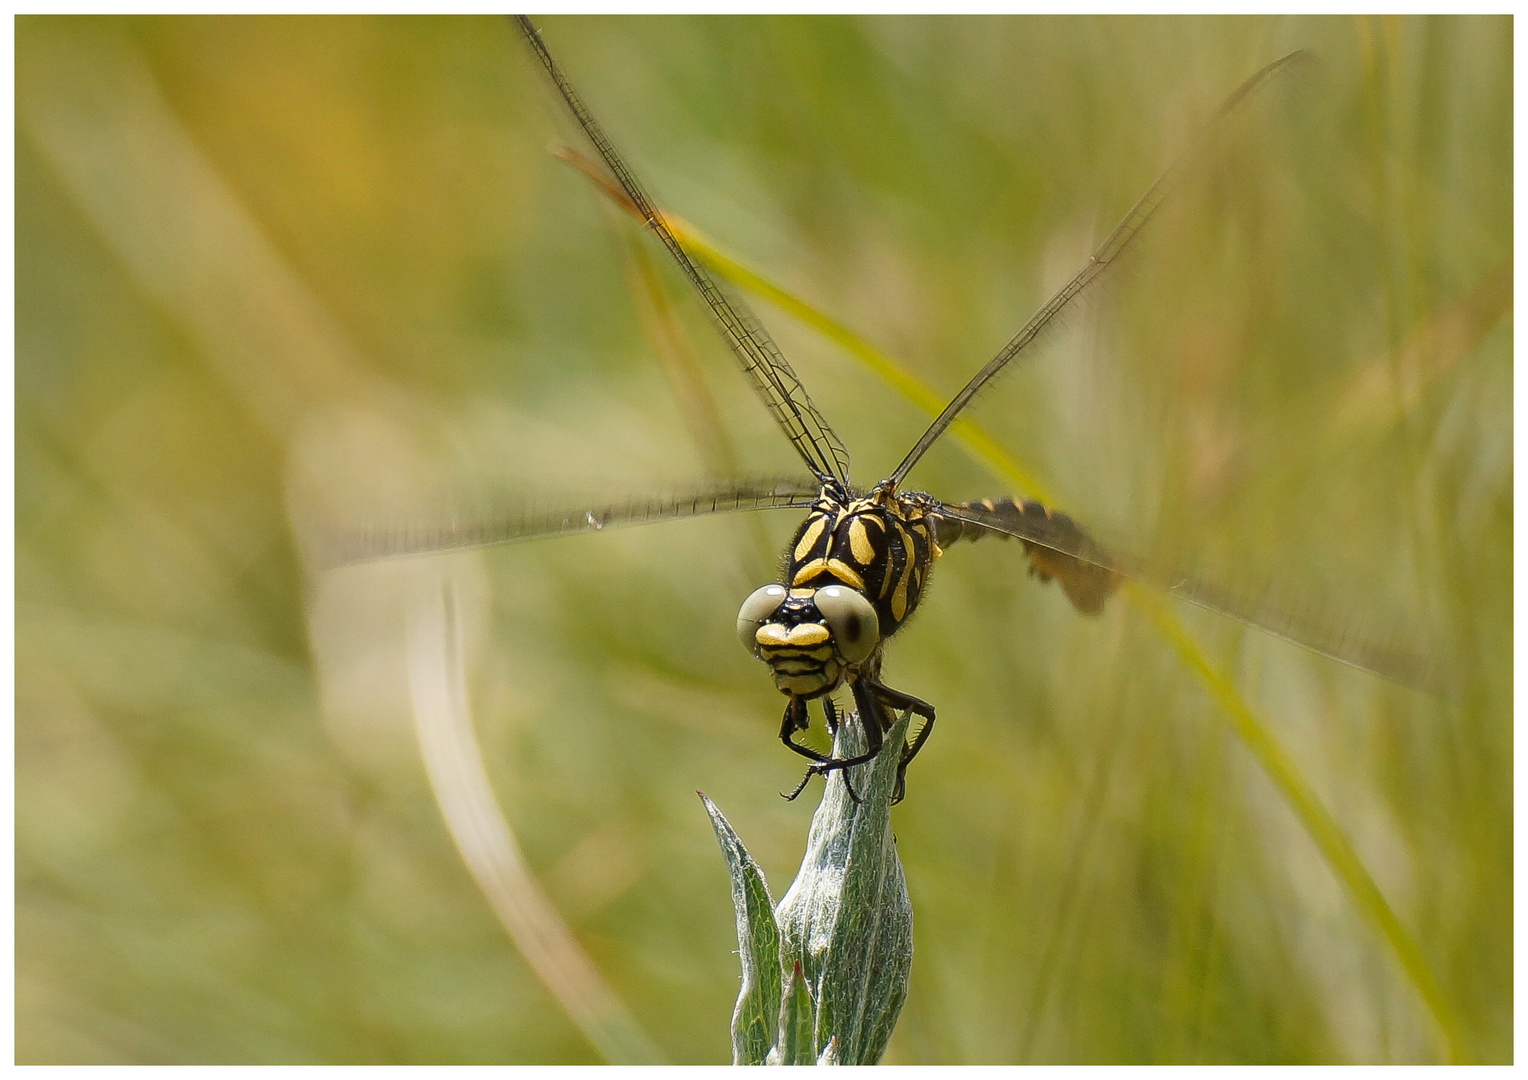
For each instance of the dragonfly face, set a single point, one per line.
(812, 639)
(855, 571)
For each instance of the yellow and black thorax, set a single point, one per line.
(881, 545)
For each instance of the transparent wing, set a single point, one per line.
(1114, 247)
(771, 375)
(1089, 573)
(469, 530)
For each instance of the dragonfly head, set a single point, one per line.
(810, 637)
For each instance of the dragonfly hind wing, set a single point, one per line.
(1057, 547)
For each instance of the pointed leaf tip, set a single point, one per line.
(757, 1013)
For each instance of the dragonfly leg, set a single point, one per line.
(795, 720)
(870, 722)
(799, 788)
(830, 714)
(899, 701)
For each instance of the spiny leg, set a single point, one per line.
(795, 720)
(830, 714)
(799, 788)
(870, 723)
(898, 702)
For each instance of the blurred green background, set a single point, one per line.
(279, 275)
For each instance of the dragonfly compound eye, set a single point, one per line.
(759, 606)
(850, 619)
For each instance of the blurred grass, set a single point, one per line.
(226, 849)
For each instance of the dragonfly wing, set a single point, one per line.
(1115, 246)
(1057, 547)
(771, 375)
(454, 532)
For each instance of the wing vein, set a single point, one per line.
(1107, 253)
(1347, 640)
(457, 531)
(773, 379)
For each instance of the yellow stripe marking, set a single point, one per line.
(807, 634)
(859, 542)
(899, 598)
(809, 538)
(847, 574)
(837, 567)
(808, 571)
(770, 634)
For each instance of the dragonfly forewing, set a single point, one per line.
(471, 529)
(770, 374)
(1114, 248)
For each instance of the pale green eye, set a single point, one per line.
(759, 606)
(850, 619)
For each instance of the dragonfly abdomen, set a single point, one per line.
(1058, 550)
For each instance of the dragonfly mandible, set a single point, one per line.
(857, 567)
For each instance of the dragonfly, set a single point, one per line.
(858, 566)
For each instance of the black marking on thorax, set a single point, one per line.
(883, 546)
